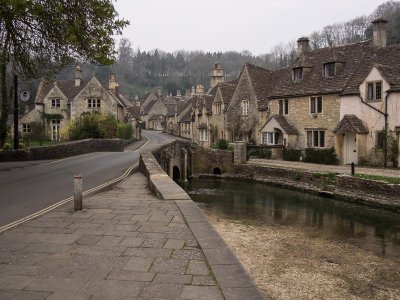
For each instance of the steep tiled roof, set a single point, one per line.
(348, 58)
(284, 123)
(350, 123)
(227, 91)
(260, 79)
(146, 109)
(186, 117)
(67, 87)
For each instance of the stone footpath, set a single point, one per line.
(323, 168)
(126, 244)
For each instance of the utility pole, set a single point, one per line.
(16, 137)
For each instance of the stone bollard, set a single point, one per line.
(77, 192)
(353, 168)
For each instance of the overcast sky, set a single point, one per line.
(223, 25)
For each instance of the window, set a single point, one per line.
(284, 107)
(316, 105)
(245, 107)
(329, 70)
(297, 74)
(218, 108)
(55, 130)
(26, 128)
(374, 90)
(94, 103)
(272, 138)
(380, 139)
(316, 138)
(203, 135)
(55, 102)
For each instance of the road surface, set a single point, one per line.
(27, 187)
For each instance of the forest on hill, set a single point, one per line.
(140, 71)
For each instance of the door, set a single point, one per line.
(350, 148)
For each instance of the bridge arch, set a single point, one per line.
(217, 171)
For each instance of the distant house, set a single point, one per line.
(59, 101)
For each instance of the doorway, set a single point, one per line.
(350, 148)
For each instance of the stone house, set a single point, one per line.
(202, 129)
(346, 97)
(59, 101)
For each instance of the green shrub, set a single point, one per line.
(260, 153)
(93, 125)
(125, 131)
(221, 144)
(292, 154)
(7, 146)
(321, 156)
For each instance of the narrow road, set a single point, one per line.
(27, 187)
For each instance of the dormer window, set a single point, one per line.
(374, 90)
(329, 70)
(297, 74)
(56, 102)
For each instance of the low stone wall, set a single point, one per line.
(342, 187)
(64, 150)
(159, 182)
(206, 160)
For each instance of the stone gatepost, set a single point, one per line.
(185, 165)
(239, 153)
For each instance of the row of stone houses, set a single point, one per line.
(346, 97)
(58, 101)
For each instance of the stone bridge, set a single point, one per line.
(181, 159)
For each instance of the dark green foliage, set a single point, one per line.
(125, 131)
(321, 156)
(260, 153)
(221, 144)
(292, 154)
(93, 125)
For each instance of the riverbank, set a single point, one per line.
(321, 181)
(289, 263)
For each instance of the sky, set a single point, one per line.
(231, 25)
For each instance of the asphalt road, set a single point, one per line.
(27, 187)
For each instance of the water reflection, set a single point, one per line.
(375, 230)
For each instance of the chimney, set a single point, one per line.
(112, 84)
(379, 31)
(78, 75)
(303, 46)
(217, 75)
(159, 92)
(178, 93)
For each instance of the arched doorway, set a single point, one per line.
(176, 174)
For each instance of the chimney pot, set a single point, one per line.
(379, 32)
(78, 75)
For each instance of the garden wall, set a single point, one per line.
(64, 150)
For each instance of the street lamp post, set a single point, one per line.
(16, 137)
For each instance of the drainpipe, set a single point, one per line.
(385, 114)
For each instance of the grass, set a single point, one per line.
(393, 180)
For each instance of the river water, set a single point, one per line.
(374, 230)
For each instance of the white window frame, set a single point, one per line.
(311, 134)
(26, 128)
(203, 135)
(94, 103)
(218, 108)
(55, 130)
(283, 107)
(245, 107)
(55, 102)
(327, 68)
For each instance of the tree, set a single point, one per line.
(39, 37)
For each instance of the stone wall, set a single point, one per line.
(64, 150)
(206, 160)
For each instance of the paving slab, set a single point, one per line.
(126, 244)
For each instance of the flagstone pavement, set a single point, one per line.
(125, 244)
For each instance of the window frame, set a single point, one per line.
(218, 108)
(203, 135)
(55, 102)
(245, 107)
(316, 105)
(298, 74)
(316, 138)
(283, 107)
(94, 103)
(328, 68)
(371, 90)
(26, 128)
(380, 139)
